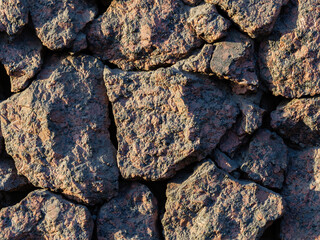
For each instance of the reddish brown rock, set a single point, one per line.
(290, 58)
(165, 119)
(298, 121)
(13, 15)
(301, 192)
(266, 159)
(256, 18)
(57, 131)
(131, 215)
(224, 162)
(207, 23)
(43, 215)
(192, 2)
(210, 204)
(21, 58)
(58, 22)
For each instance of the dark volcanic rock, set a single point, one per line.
(224, 162)
(266, 159)
(57, 22)
(13, 15)
(192, 2)
(21, 58)
(57, 131)
(254, 17)
(210, 204)
(290, 57)
(165, 116)
(301, 192)
(131, 215)
(298, 121)
(43, 215)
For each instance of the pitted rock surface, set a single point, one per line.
(298, 120)
(57, 22)
(165, 119)
(290, 58)
(44, 215)
(131, 215)
(301, 192)
(266, 159)
(210, 204)
(57, 131)
(21, 57)
(255, 17)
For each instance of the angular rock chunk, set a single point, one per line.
(299, 121)
(43, 215)
(165, 116)
(192, 2)
(224, 162)
(208, 23)
(290, 57)
(143, 34)
(210, 204)
(57, 131)
(21, 58)
(266, 159)
(131, 215)
(58, 22)
(301, 192)
(13, 15)
(256, 18)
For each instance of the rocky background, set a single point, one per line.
(159, 119)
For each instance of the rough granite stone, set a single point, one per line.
(44, 215)
(210, 204)
(301, 192)
(13, 15)
(21, 57)
(207, 23)
(57, 22)
(298, 121)
(57, 131)
(255, 17)
(165, 119)
(143, 34)
(131, 215)
(266, 159)
(290, 57)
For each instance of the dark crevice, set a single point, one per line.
(112, 127)
(273, 231)
(5, 84)
(8, 199)
(102, 6)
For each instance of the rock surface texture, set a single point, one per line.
(57, 131)
(43, 215)
(131, 215)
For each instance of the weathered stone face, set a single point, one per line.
(210, 204)
(301, 192)
(131, 215)
(43, 215)
(289, 58)
(254, 17)
(298, 121)
(21, 58)
(165, 119)
(58, 22)
(57, 131)
(266, 159)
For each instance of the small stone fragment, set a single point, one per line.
(301, 192)
(266, 159)
(299, 121)
(166, 119)
(21, 58)
(290, 57)
(208, 23)
(224, 162)
(13, 15)
(80, 43)
(210, 204)
(57, 131)
(57, 22)
(143, 34)
(131, 215)
(44, 215)
(192, 2)
(256, 18)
